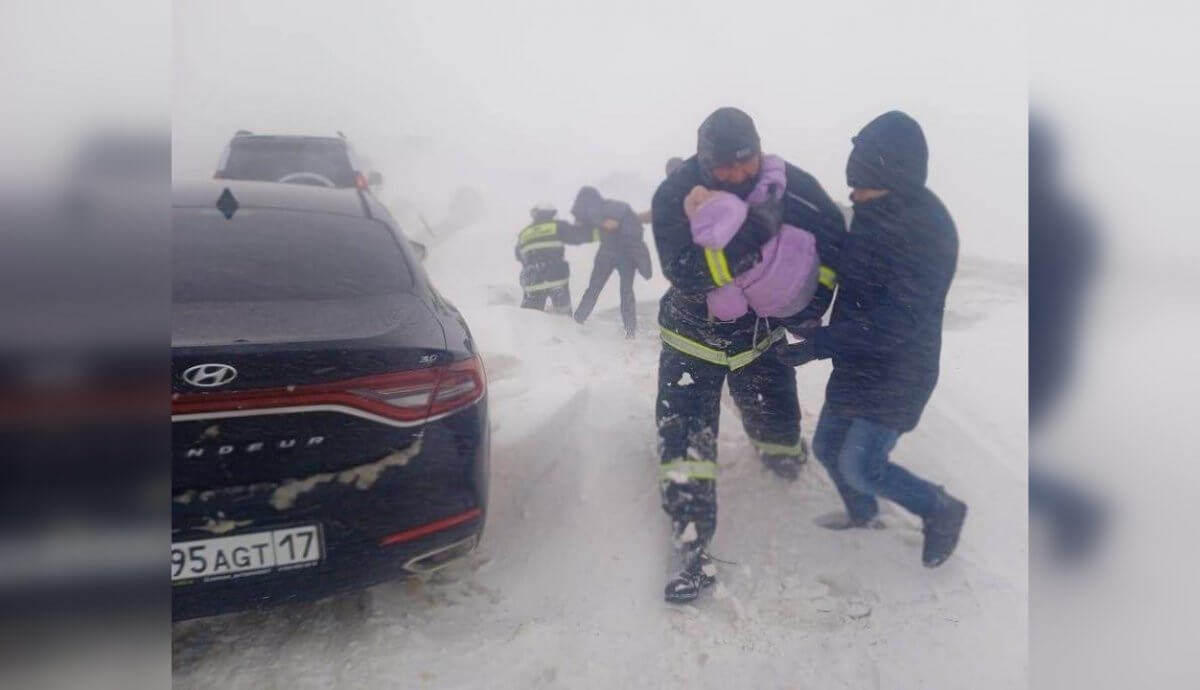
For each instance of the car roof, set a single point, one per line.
(271, 195)
(298, 137)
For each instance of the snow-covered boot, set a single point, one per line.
(697, 572)
(786, 466)
(942, 528)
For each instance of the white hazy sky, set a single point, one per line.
(566, 93)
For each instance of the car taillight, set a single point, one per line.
(360, 181)
(459, 384)
(427, 392)
(402, 396)
(410, 396)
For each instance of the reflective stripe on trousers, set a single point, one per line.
(714, 356)
(778, 448)
(681, 470)
(546, 285)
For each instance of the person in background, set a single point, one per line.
(545, 274)
(616, 227)
(885, 334)
(1064, 251)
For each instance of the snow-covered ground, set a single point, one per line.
(566, 588)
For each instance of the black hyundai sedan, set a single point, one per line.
(329, 409)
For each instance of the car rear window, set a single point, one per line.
(265, 255)
(269, 159)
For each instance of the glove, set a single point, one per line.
(797, 354)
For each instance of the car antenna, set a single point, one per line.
(227, 204)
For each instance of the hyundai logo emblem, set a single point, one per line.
(209, 375)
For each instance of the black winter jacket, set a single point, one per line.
(540, 250)
(683, 308)
(885, 334)
(624, 244)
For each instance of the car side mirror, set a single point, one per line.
(374, 178)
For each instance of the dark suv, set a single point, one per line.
(329, 407)
(309, 160)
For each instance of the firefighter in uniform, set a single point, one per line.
(700, 354)
(545, 274)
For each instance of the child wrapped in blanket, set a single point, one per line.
(783, 282)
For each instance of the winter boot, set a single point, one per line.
(696, 573)
(942, 528)
(786, 466)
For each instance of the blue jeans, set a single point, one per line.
(855, 452)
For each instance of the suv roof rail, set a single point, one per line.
(242, 133)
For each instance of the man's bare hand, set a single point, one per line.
(610, 224)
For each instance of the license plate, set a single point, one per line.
(245, 555)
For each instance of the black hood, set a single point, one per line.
(889, 153)
(1043, 157)
(587, 206)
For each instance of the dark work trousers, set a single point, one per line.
(606, 263)
(560, 299)
(688, 416)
